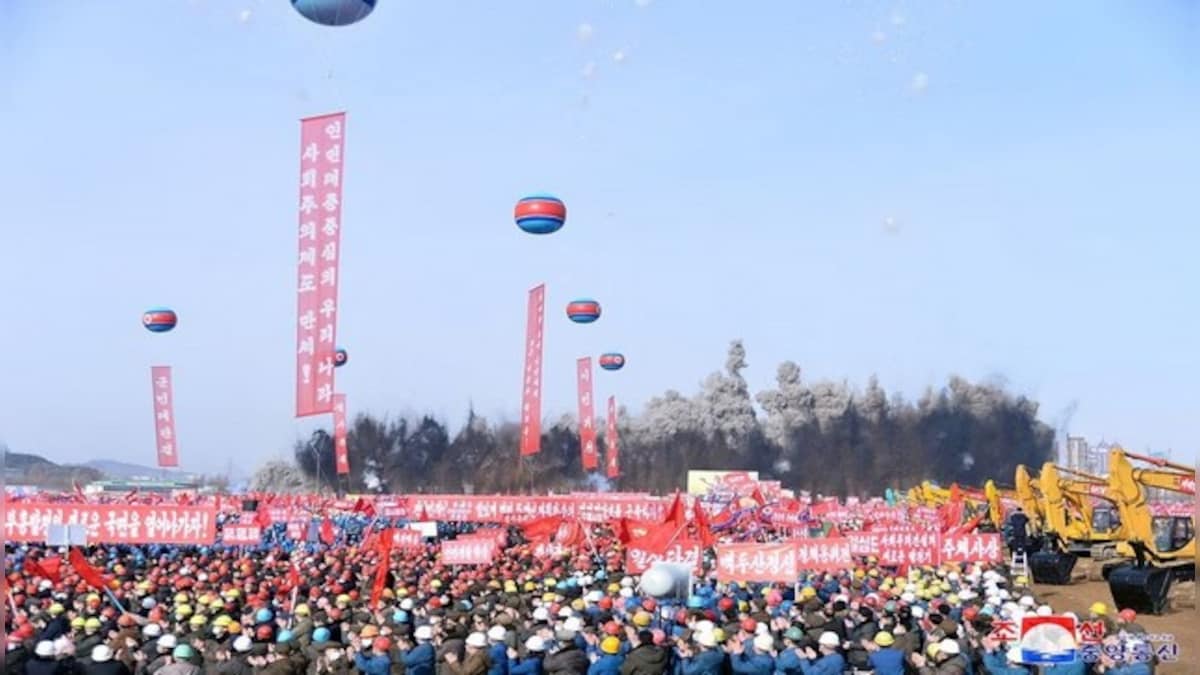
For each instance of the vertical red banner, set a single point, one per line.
(587, 414)
(321, 144)
(164, 416)
(531, 397)
(341, 452)
(612, 466)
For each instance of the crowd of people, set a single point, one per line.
(308, 610)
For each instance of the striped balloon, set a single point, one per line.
(612, 361)
(540, 214)
(334, 12)
(583, 310)
(340, 356)
(159, 319)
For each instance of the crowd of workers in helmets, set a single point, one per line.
(309, 611)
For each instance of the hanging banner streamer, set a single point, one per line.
(164, 417)
(531, 396)
(321, 143)
(612, 466)
(341, 451)
(587, 414)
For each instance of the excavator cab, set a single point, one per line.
(1172, 533)
(1106, 520)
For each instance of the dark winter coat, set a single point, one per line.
(570, 660)
(646, 660)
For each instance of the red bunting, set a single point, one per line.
(385, 561)
(364, 507)
(659, 538)
(758, 497)
(677, 514)
(47, 568)
(327, 534)
(702, 525)
(542, 528)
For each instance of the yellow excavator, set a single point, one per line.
(1029, 497)
(1072, 526)
(989, 499)
(1163, 548)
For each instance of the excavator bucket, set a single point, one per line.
(1050, 567)
(1142, 589)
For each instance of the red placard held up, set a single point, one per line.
(587, 415)
(341, 451)
(531, 391)
(758, 562)
(164, 416)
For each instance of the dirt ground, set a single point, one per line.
(1182, 621)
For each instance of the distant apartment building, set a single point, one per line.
(1082, 456)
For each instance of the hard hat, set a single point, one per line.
(235, 627)
(343, 599)
(1098, 608)
(181, 598)
(884, 639)
(302, 610)
(705, 639)
(642, 619)
(166, 643)
(496, 633)
(55, 610)
(764, 643)
(477, 640)
(152, 630)
(77, 622)
(368, 631)
(197, 620)
(243, 644)
(610, 645)
(284, 636)
(949, 646)
(263, 615)
(183, 610)
(794, 634)
(102, 653)
(381, 644)
(1127, 615)
(423, 633)
(718, 634)
(44, 649)
(535, 644)
(222, 621)
(829, 639)
(321, 634)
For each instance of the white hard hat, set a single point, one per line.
(541, 614)
(1044, 610)
(406, 604)
(242, 644)
(44, 649)
(535, 644)
(626, 592)
(764, 643)
(152, 630)
(703, 627)
(167, 642)
(477, 640)
(423, 633)
(705, 638)
(949, 646)
(594, 596)
(627, 582)
(918, 612)
(1027, 601)
(102, 654)
(829, 639)
(563, 612)
(496, 633)
(573, 624)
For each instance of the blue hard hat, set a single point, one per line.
(400, 616)
(695, 602)
(321, 635)
(263, 615)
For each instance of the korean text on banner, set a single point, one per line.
(321, 144)
(114, 523)
(758, 562)
(685, 552)
(531, 392)
(164, 416)
(962, 548)
(612, 464)
(468, 551)
(341, 451)
(587, 414)
(241, 535)
(829, 553)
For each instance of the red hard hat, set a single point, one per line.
(749, 625)
(649, 604)
(725, 604)
(263, 632)
(605, 603)
(1127, 615)
(970, 613)
(612, 628)
(381, 644)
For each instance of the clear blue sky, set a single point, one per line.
(731, 176)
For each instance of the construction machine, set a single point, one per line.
(1028, 496)
(1073, 526)
(1163, 548)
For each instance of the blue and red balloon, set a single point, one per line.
(340, 356)
(612, 361)
(159, 319)
(540, 214)
(334, 12)
(583, 310)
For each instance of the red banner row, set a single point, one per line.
(114, 524)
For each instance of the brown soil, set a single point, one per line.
(1182, 621)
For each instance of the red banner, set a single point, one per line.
(830, 553)
(758, 562)
(114, 524)
(589, 508)
(909, 548)
(164, 416)
(341, 451)
(531, 394)
(638, 560)
(407, 539)
(241, 535)
(587, 414)
(612, 465)
(469, 551)
(297, 530)
(545, 550)
(971, 548)
(321, 143)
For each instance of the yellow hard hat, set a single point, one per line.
(953, 600)
(932, 649)
(235, 627)
(198, 620)
(550, 582)
(859, 573)
(873, 572)
(183, 610)
(217, 603)
(718, 635)
(1098, 608)
(641, 619)
(402, 593)
(510, 587)
(77, 622)
(436, 583)
(610, 645)
(884, 639)
(945, 585)
(302, 610)
(223, 621)
(233, 594)
(578, 604)
(614, 588)
(343, 599)
(181, 598)
(92, 623)
(808, 592)
(56, 609)
(548, 597)
(92, 597)
(530, 586)
(203, 600)
(143, 586)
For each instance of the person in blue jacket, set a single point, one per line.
(883, 656)
(710, 660)
(610, 660)
(829, 661)
(535, 651)
(999, 662)
(421, 659)
(788, 660)
(759, 659)
(497, 650)
(378, 662)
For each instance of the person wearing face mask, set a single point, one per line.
(421, 658)
(565, 657)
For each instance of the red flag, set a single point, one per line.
(78, 491)
(293, 576)
(385, 562)
(542, 529)
(833, 532)
(758, 497)
(569, 534)
(262, 517)
(47, 568)
(677, 514)
(327, 533)
(424, 515)
(659, 538)
(84, 569)
(702, 525)
(620, 528)
(364, 507)
(129, 496)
